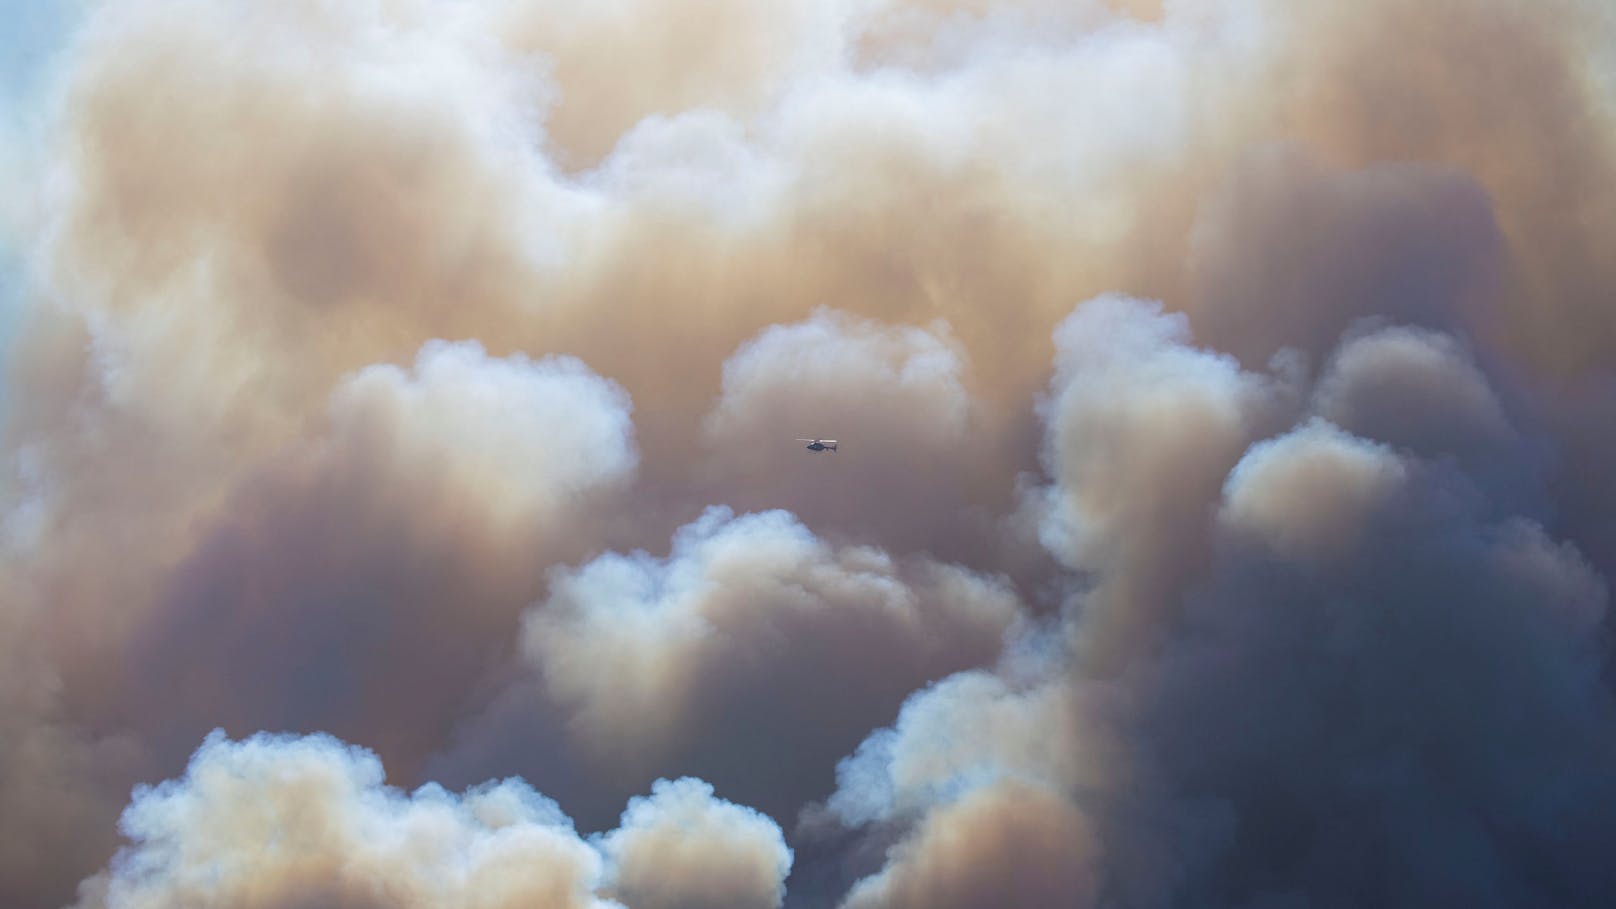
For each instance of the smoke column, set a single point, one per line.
(399, 506)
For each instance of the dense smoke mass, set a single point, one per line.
(400, 503)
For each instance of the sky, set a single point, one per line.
(401, 502)
(34, 31)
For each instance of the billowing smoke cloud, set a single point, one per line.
(752, 628)
(956, 857)
(285, 822)
(683, 848)
(1311, 494)
(916, 442)
(1417, 390)
(523, 441)
(1142, 430)
(425, 374)
(633, 643)
(395, 547)
(1374, 691)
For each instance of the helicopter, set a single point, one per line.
(819, 444)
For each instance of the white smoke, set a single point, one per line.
(281, 821)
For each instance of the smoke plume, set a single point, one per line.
(1221, 515)
(283, 821)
